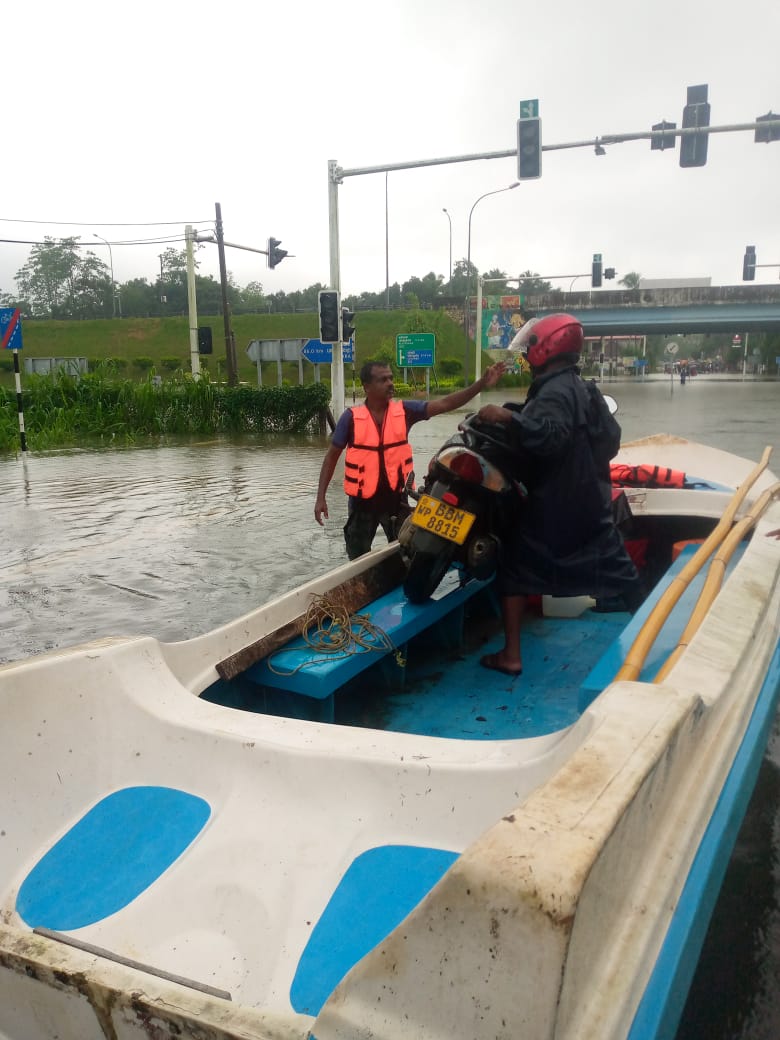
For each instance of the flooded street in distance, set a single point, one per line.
(173, 540)
(167, 541)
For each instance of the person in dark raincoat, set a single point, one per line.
(563, 541)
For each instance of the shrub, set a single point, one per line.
(171, 364)
(144, 363)
(60, 409)
(450, 366)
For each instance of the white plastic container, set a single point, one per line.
(566, 606)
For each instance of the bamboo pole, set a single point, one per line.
(715, 575)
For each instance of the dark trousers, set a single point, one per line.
(362, 524)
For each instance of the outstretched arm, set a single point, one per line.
(460, 397)
(326, 474)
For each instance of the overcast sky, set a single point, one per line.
(133, 114)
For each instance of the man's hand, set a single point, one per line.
(494, 413)
(326, 473)
(492, 375)
(321, 510)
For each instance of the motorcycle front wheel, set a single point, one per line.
(426, 569)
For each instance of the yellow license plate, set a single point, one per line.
(444, 520)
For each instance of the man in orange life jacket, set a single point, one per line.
(379, 458)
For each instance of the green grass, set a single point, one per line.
(119, 402)
(165, 338)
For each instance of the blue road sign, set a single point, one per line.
(418, 359)
(10, 328)
(320, 353)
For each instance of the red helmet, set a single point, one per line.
(542, 339)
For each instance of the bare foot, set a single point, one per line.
(496, 663)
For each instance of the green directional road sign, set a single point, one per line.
(415, 350)
(529, 109)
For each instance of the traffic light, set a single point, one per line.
(529, 149)
(595, 276)
(664, 139)
(275, 254)
(749, 264)
(204, 340)
(330, 316)
(609, 272)
(347, 328)
(768, 133)
(693, 147)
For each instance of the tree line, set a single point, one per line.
(61, 280)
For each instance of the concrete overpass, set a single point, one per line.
(727, 308)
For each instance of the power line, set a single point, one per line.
(86, 245)
(98, 223)
(145, 241)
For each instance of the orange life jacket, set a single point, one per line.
(646, 476)
(371, 449)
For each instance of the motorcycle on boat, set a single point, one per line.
(468, 496)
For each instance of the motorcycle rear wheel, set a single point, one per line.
(426, 570)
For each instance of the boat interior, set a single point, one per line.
(431, 683)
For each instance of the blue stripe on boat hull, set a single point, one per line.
(659, 1012)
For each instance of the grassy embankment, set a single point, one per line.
(161, 338)
(118, 402)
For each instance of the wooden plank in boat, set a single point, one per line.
(352, 594)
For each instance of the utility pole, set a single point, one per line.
(189, 237)
(230, 346)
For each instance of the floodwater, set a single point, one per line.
(175, 539)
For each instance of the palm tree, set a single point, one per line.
(631, 280)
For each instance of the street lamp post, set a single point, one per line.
(449, 218)
(111, 263)
(387, 249)
(497, 191)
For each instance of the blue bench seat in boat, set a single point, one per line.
(302, 669)
(613, 657)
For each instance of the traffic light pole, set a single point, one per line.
(337, 364)
(230, 346)
(337, 174)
